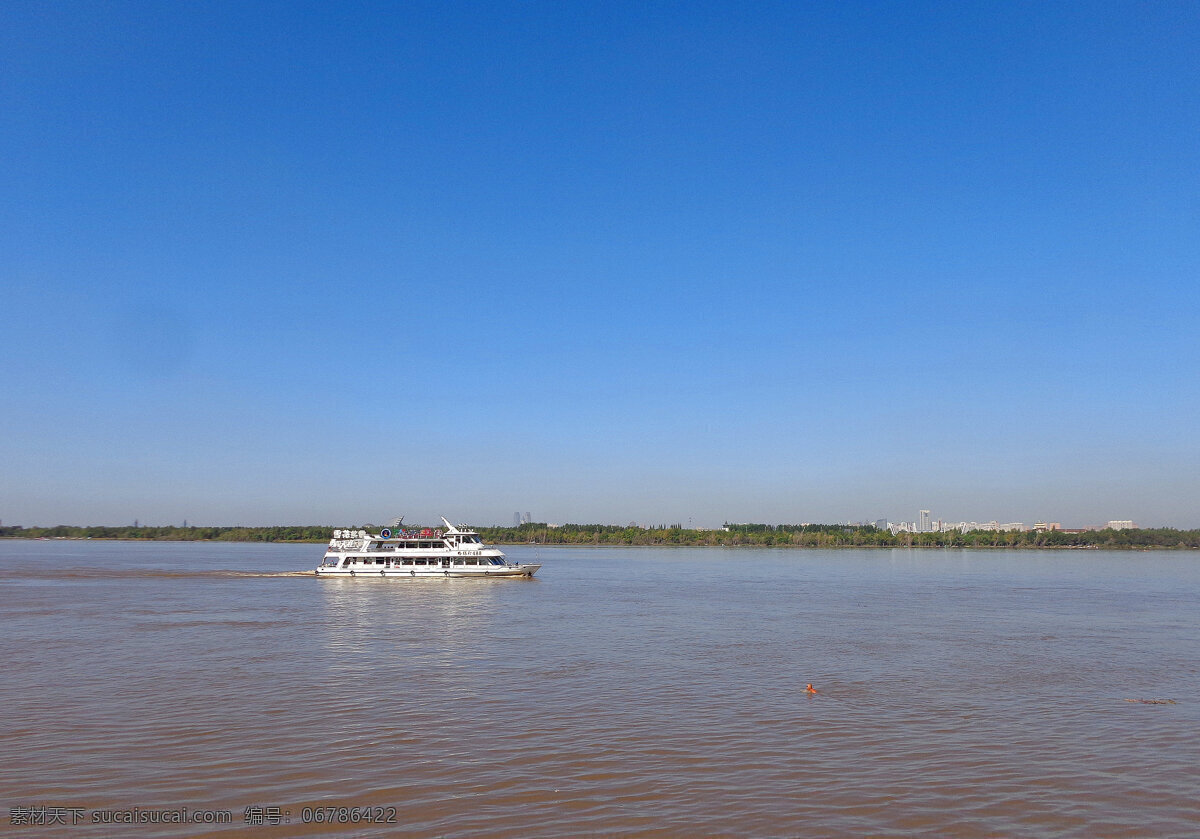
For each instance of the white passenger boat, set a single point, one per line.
(416, 552)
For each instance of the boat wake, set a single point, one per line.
(139, 573)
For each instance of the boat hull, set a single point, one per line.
(431, 572)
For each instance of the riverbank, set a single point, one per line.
(733, 536)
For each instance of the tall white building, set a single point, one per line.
(923, 522)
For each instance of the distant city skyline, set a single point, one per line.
(788, 262)
(925, 523)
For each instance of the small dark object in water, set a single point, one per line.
(1152, 701)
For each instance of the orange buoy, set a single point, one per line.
(810, 688)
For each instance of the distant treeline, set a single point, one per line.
(836, 536)
(733, 535)
(175, 534)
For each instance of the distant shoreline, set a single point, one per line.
(1020, 546)
(729, 536)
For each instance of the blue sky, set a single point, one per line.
(325, 263)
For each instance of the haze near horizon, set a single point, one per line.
(295, 263)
